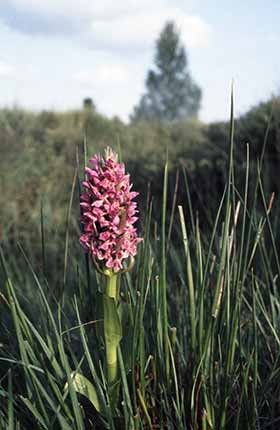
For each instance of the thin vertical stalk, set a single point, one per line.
(67, 229)
(163, 275)
(190, 279)
(43, 240)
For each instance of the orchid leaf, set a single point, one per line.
(83, 386)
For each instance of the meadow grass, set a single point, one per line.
(200, 324)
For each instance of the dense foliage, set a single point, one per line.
(38, 155)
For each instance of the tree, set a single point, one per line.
(88, 104)
(171, 92)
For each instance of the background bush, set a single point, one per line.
(38, 155)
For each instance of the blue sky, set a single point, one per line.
(53, 53)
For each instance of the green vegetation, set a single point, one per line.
(200, 310)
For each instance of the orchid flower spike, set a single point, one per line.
(108, 213)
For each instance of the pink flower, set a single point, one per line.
(108, 212)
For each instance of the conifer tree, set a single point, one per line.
(171, 93)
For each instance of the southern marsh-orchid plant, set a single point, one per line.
(110, 238)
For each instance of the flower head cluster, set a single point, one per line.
(108, 212)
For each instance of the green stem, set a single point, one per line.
(112, 365)
(111, 286)
(111, 348)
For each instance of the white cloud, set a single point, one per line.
(121, 25)
(113, 74)
(6, 70)
(194, 31)
(82, 9)
(138, 31)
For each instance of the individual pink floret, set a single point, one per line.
(108, 212)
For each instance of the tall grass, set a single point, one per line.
(201, 328)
